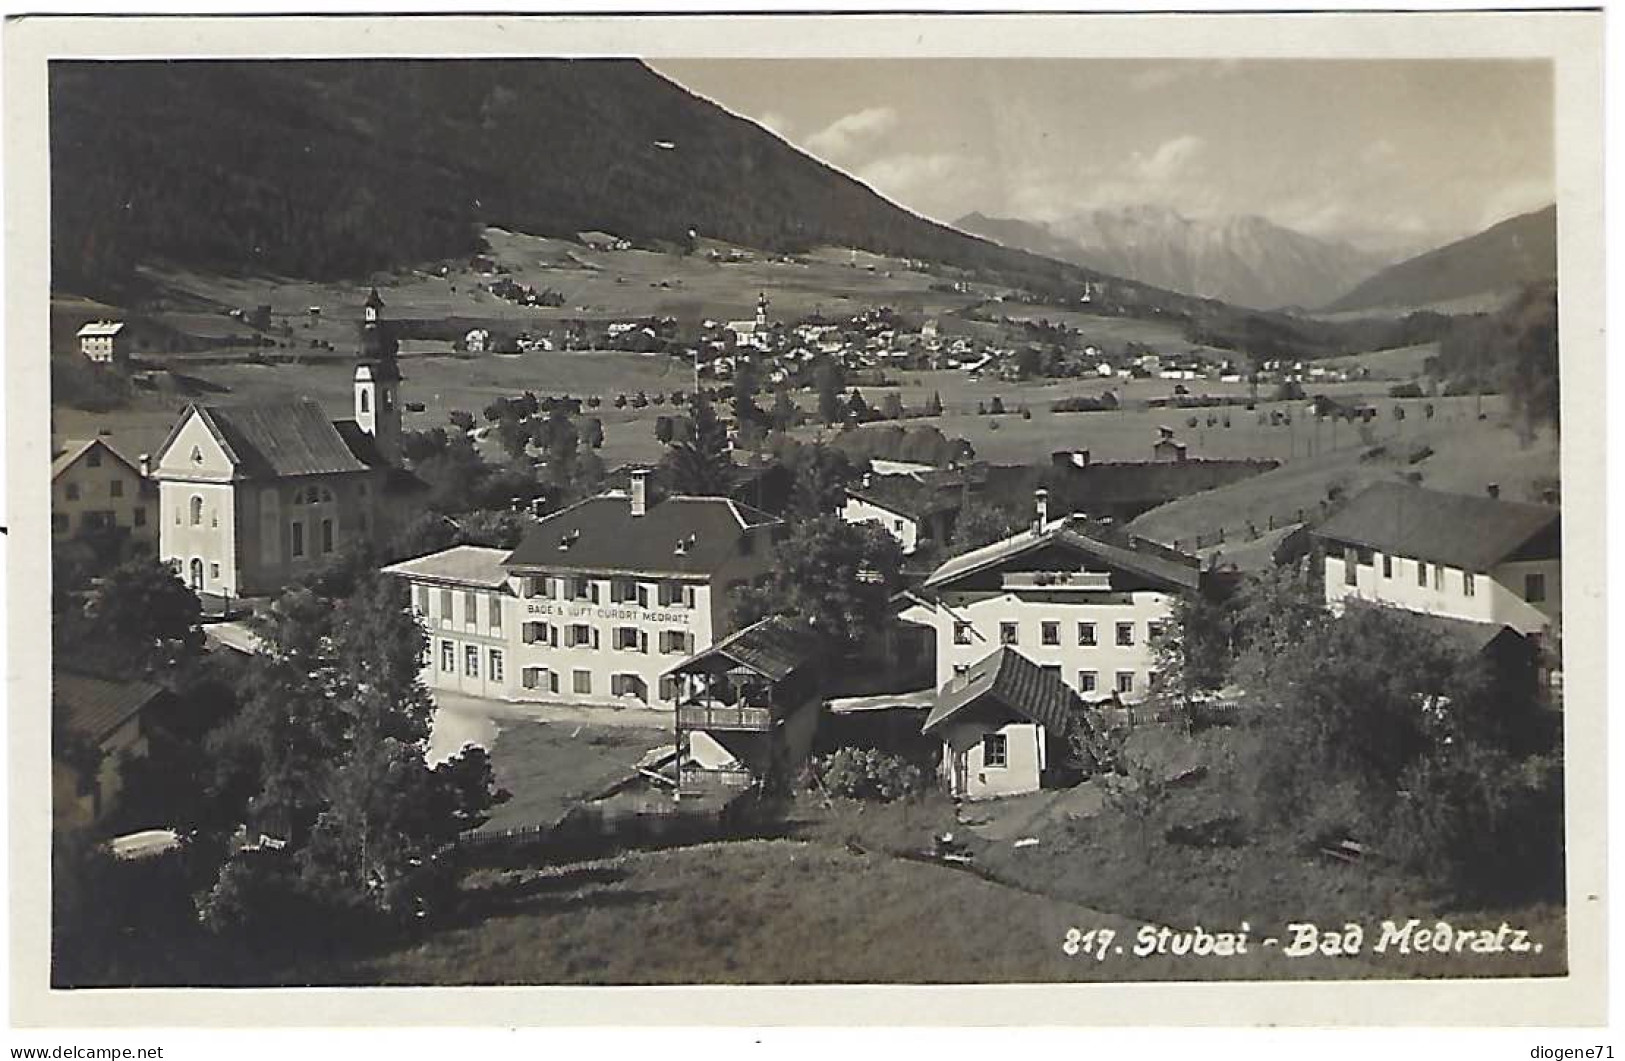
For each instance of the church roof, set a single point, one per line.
(273, 440)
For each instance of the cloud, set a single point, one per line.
(777, 123)
(839, 138)
(1169, 159)
(941, 185)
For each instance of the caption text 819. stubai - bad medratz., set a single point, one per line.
(1301, 939)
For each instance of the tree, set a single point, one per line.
(461, 419)
(980, 524)
(493, 528)
(594, 432)
(996, 406)
(836, 576)
(143, 617)
(933, 407)
(857, 409)
(784, 414)
(699, 465)
(891, 407)
(821, 473)
(827, 377)
(664, 429)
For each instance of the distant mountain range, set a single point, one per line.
(1496, 262)
(1248, 261)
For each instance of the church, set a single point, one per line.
(251, 496)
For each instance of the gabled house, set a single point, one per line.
(1457, 556)
(1003, 726)
(94, 487)
(748, 707)
(107, 716)
(1079, 599)
(105, 343)
(906, 507)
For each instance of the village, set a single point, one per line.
(794, 621)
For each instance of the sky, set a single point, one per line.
(1385, 154)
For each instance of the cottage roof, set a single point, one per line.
(462, 565)
(73, 449)
(1146, 558)
(677, 536)
(907, 495)
(1459, 530)
(277, 439)
(1474, 637)
(1006, 679)
(95, 706)
(774, 647)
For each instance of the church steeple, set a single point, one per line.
(377, 382)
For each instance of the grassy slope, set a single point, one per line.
(549, 766)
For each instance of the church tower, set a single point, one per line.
(761, 311)
(378, 382)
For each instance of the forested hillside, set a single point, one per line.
(327, 169)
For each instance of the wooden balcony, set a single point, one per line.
(695, 779)
(718, 717)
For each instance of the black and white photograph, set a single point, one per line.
(628, 509)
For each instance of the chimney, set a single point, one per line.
(1493, 489)
(868, 480)
(144, 462)
(640, 491)
(1041, 510)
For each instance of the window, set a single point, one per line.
(540, 678)
(1050, 633)
(629, 685)
(1125, 634)
(533, 632)
(1467, 587)
(1534, 588)
(1350, 566)
(197, 455)
(622, 590)
(671, 593)
(298, 533)
(961, 633)
(1086, 634)
(1009, 634)
(582, 588)
(1438, 576)
(448, 657)
(115, 488)
(471, 660)
(214, 571)
(1422, 573)
(897, 526)
(366, 401)
(495, 613)
(1387, 566)
(139, 516)
(421, 595)
(961, 669)
(671, 687)
(495, 669)
(1125, 681)
(628, 638)
(541, 586)
(1365, 557)
(445, 605)
(327, 535)
(94, 458)
(214, 518)
(72, 491)
(995, 751)
(471, 607)
(582, 681)
(197, 512)
(99, 520)
(675, 641)
(581, 634)
(1087, 680)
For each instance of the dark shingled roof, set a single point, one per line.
(1460, 530)
(1109, 544)
(287, 438)
(97, 707)
(908, 496)
(775, 648)
(1009, 680)
(1473, 637)
(603, 535)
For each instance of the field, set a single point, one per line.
(550, 766)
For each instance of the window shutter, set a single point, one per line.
(592, 591)
(643, 595)
(688, 596)
(595, 637)
(552, 681)
(552, 636)
(643, 642)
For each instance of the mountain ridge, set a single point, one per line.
(1501, 259)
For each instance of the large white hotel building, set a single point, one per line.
(597, 603)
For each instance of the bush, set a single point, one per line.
(868, 773)
(1405, 390)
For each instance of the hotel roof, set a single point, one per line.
(678, 536)
(1460, 530)
(463, 565)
